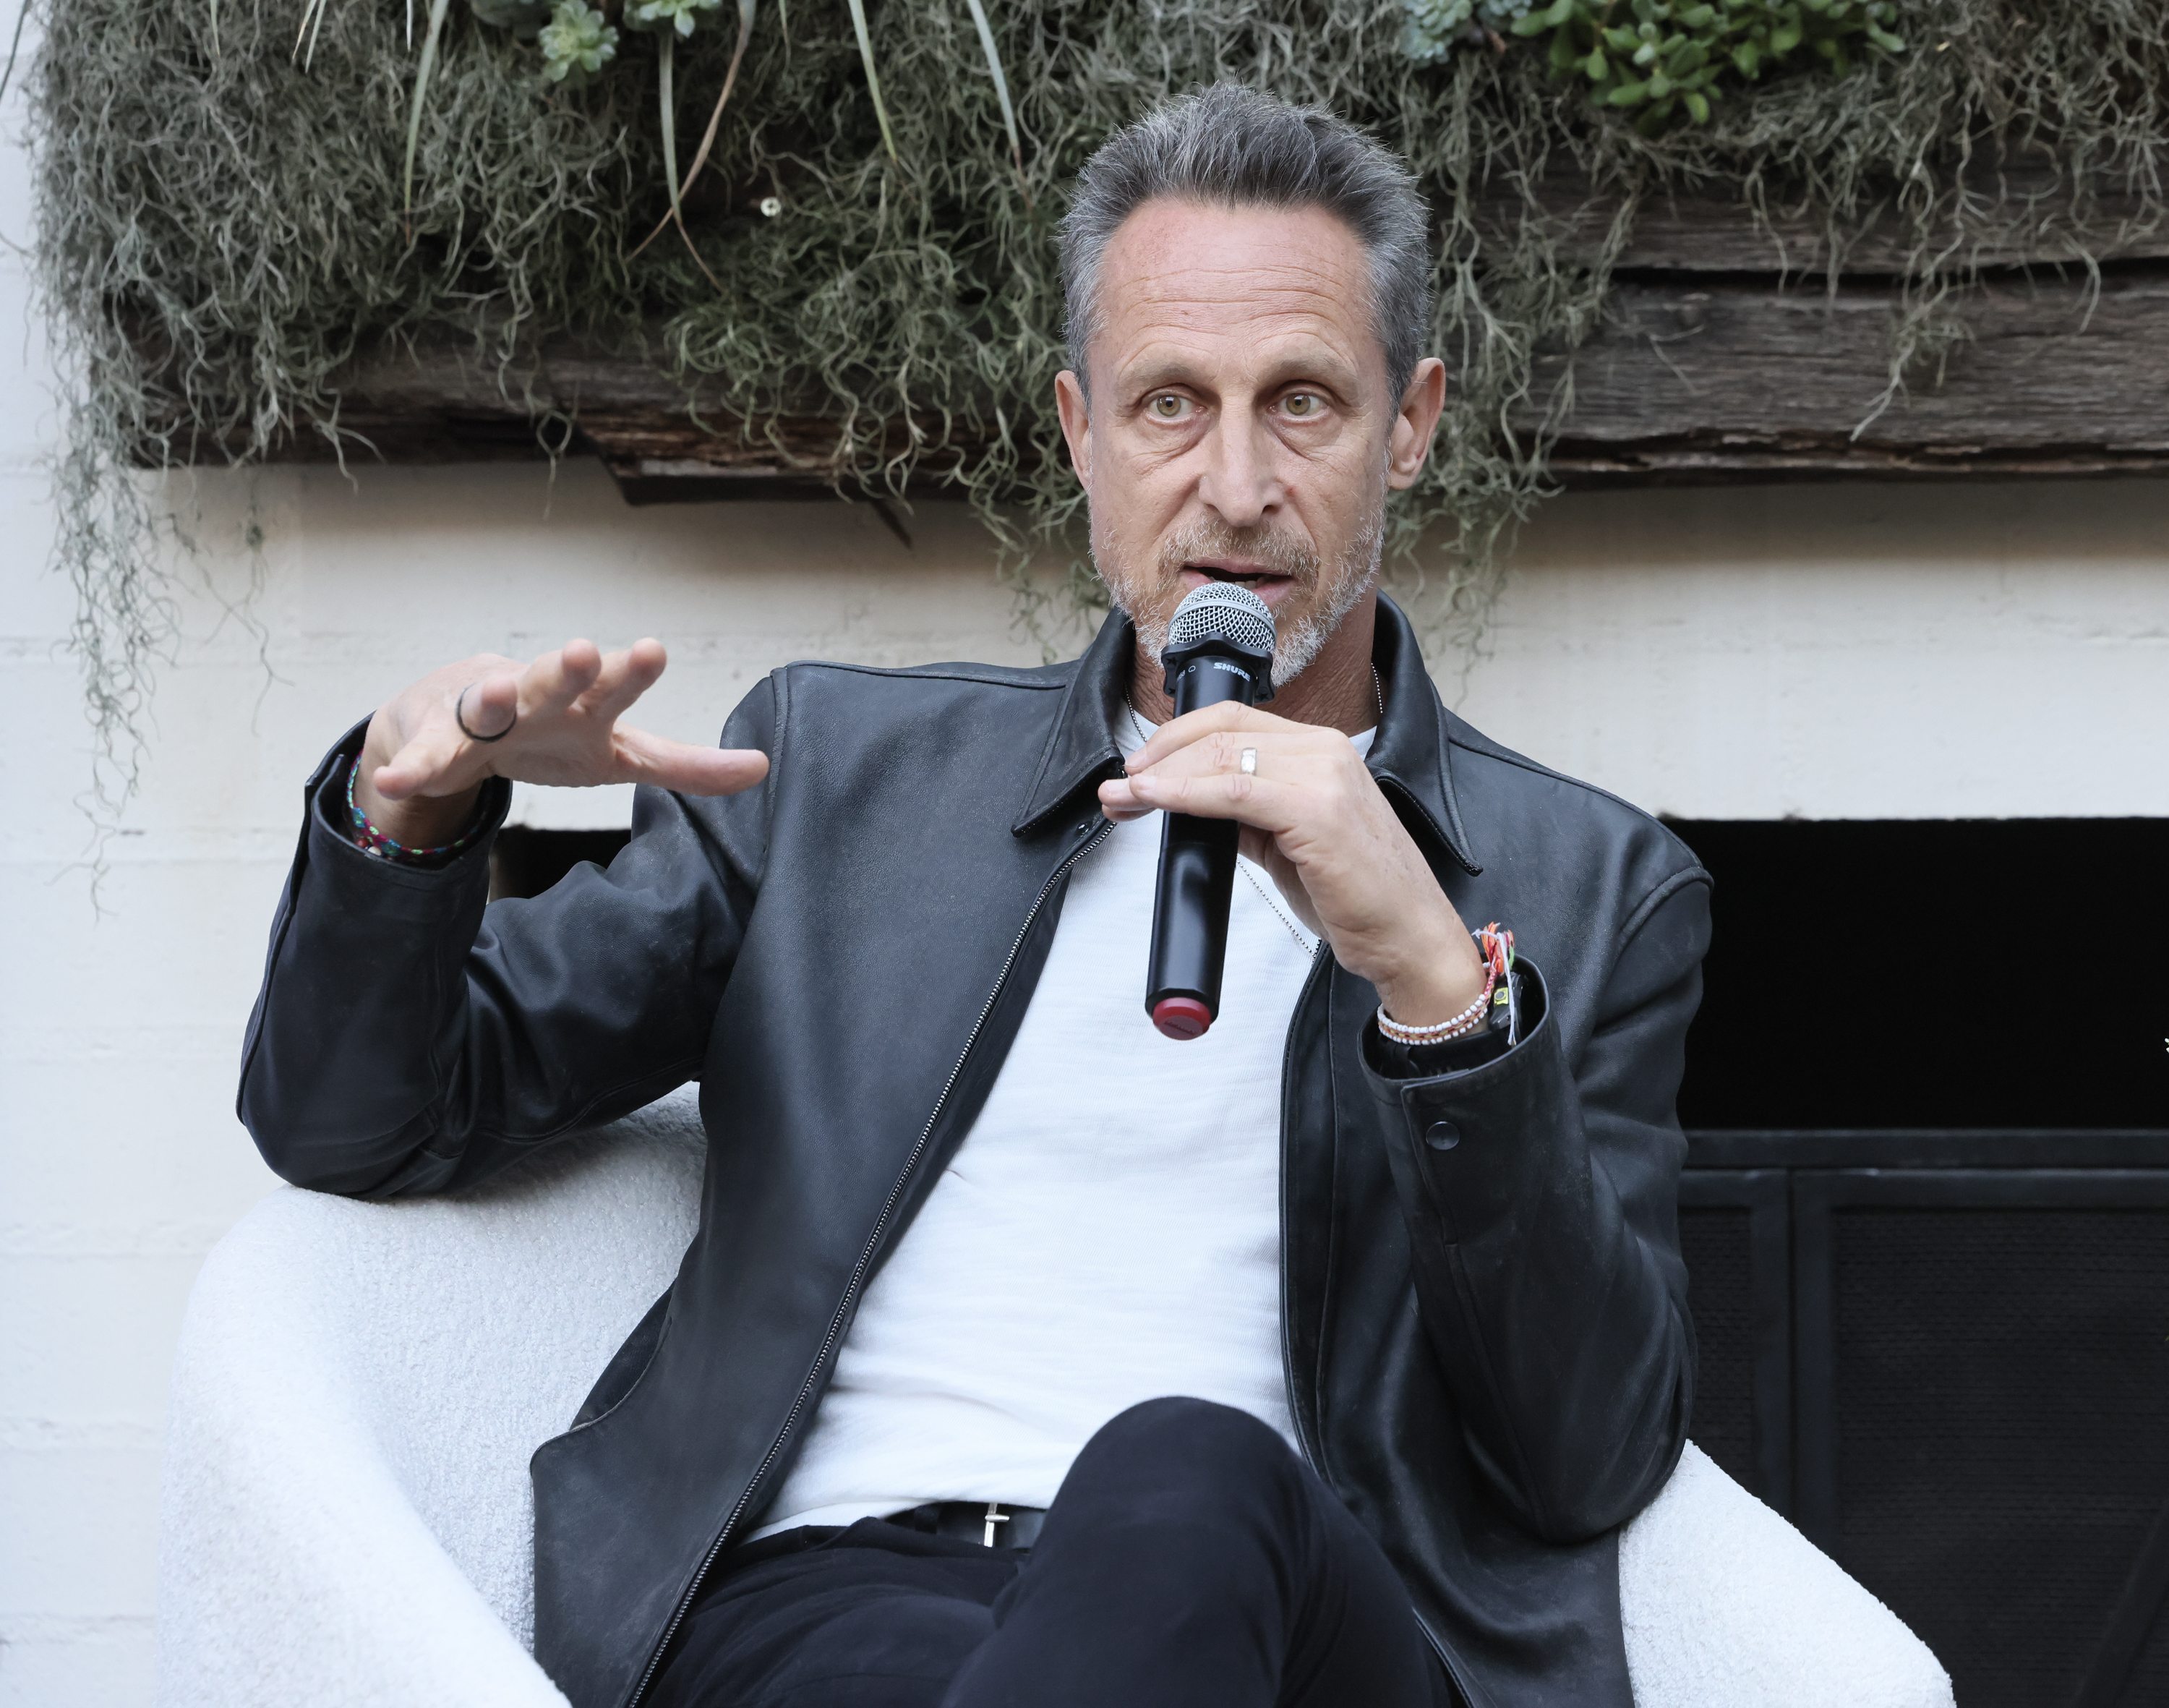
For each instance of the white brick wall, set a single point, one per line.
(1845, 651)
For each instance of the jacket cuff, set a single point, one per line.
(1388, 1058)
(388, 936)
(330, 837)
(1488, 1103)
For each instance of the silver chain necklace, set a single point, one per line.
(1303, 940)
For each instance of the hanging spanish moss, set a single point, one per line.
(225, 225)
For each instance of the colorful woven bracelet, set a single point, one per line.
(1497, 948)
(374, 842)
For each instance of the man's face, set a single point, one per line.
(1240, 428)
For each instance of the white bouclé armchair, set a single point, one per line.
(346, 1518)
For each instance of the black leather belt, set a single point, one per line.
(990, 1523)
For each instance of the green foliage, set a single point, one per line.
(221, 229)
(657, 16)
(577, 43)
(1662, 58)
(1432, 30)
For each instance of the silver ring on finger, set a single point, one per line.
(1247, 764)
(460, 718)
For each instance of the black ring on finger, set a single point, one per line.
(460, 718)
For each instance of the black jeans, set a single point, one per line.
(1189, 1560)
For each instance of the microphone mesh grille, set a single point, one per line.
(1222, 611)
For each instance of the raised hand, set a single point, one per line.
(554, 720)
(1315, 819)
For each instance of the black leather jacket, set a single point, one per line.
(1485, 1330)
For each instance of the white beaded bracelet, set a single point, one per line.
(1497, 948)
(1460, 1026)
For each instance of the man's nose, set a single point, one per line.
(1240, 482)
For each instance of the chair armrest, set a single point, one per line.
(292, 1566)
(345, 1515)
(1726, 1605)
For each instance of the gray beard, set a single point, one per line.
(1296, 646)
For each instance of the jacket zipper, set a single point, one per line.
(865, 1261)
(1303, 1443)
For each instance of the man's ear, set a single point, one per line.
(1421, 405)
(1076, 422)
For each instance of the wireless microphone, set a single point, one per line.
(1219, 647)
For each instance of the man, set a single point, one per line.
(1024, 1356)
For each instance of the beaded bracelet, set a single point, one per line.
(374, 842)
(1497, 948)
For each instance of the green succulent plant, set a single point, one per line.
(1432, 30)
(1660, 59)
(577, 43)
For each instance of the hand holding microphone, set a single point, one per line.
(1305, 808)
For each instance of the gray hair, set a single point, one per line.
(1233, 146)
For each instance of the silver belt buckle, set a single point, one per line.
(995, 1516)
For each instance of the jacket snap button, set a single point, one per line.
(1442, 1135)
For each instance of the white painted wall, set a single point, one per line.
(1845, 652)
(1832, 652)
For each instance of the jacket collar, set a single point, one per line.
(1082, 747)
(1410, 755)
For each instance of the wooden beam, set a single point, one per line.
(1722, 356)
(663, 440)
(1689, 382)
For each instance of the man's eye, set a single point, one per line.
(1301, 404)
(1167, 406)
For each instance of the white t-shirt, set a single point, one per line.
(1108, 1232)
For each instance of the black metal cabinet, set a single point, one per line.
(1945, 1357)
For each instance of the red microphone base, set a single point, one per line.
(1181, 1017)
